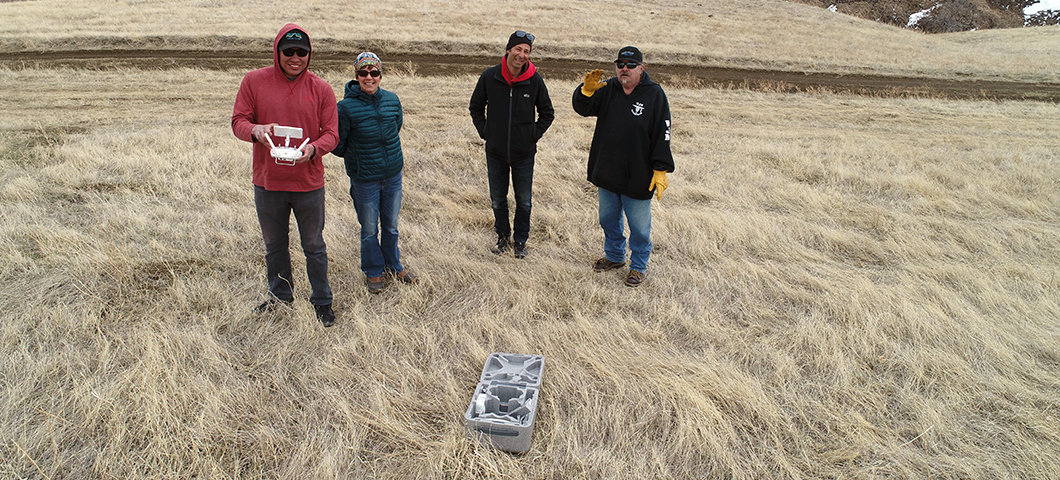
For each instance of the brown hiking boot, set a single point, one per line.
(407, 277)
(634, 279)
(603, 265)
(375, 284)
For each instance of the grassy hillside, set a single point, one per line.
(760, 33)
(841, 287)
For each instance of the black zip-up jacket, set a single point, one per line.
(504, 114)
(632, 136)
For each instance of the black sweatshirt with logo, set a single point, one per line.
(632, 136)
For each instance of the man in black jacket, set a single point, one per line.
(503, 109)
(629, 157)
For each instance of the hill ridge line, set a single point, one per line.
(668, 74)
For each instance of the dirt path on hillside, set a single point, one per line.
(442, 65)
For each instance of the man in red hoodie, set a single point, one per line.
(288, 94)
(502, 109)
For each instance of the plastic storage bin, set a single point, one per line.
(504, 405)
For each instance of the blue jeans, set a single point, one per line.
(522, 176)
(274, 215)
(638, 212)
(377, 205)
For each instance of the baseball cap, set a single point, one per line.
(630, 53)
(294, 39)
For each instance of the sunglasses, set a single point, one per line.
(365, 73)
(629, 65)
(290, 52)
(526, 35)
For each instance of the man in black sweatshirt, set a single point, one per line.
(502, 109)
(629, 157)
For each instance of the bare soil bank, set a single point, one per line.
(442, 65)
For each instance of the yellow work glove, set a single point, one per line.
(658, 180)
(592, 82)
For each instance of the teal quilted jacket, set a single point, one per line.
(368, 134)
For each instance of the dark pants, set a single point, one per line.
(274, 216)
(522, 180)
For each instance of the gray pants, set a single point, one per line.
(274, 216)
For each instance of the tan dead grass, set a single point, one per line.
(841, 287)
(753, 34)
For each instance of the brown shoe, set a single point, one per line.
(407, 277)
(634, 279)
(375, 284)
(603, 265)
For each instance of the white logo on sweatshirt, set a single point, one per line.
(667, 135)
(638, 109)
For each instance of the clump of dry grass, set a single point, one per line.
(841, 287)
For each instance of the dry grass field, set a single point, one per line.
(841, 287)
(770, 34)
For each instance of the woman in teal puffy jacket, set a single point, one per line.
(370, 120)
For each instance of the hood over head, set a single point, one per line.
(280, 39)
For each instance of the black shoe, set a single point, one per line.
(271, 304)
(501, 246)
(325, 314)
(520, 249)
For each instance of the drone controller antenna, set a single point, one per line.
(303, 143)
(267, 137)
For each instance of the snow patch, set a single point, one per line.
(1041, 6)
(918, 15)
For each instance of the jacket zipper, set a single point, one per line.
(511, 115)
(379, 124)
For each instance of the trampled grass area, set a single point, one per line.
(842, 287)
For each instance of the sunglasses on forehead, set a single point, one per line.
(290, 52)
(526, 35)
(365, 73)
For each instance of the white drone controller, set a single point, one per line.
(286, 155)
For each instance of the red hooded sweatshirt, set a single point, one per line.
(267, 96)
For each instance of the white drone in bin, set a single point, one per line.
(286, 155)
